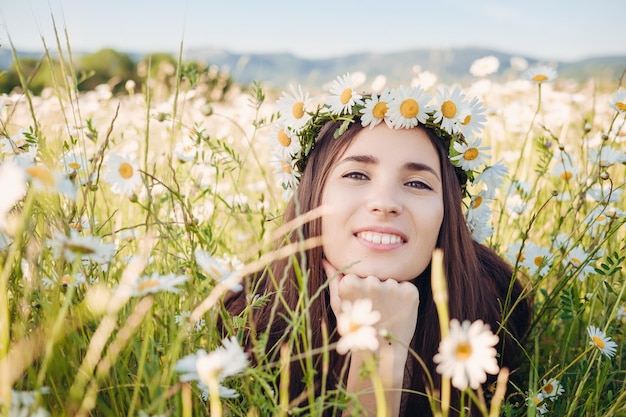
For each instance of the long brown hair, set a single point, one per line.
(480, 283)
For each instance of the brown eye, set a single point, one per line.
(420, 185)
(355, 175)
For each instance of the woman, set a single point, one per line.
(382, 167)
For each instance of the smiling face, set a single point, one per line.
(385, 200)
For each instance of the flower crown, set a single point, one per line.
(453, 118)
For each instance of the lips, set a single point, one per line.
(380, 238)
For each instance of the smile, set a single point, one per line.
(383, 238)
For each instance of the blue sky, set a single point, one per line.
(547, 29)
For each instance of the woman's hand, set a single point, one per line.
(397, 302)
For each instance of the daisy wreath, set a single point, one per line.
(454, 118)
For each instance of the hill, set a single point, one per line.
(280, 69)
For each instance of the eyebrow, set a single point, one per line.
(409, 166)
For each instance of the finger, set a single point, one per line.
(333, 286)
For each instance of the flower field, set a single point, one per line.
(125, 217)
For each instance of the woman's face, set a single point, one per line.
(385, 201)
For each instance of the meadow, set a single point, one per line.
(125, 217)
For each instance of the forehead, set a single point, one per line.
(394, 145)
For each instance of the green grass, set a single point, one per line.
(94, 349)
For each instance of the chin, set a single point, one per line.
(380, 273)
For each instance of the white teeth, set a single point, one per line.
(384, 238)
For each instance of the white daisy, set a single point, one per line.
(84, 247)
(540, 74)
(552, 389)
(470, 155)
(604, 193)
(451, 109)
(286, 141)
(409, 107)
(285, 171)
(376, 109)
(343, 95)
(537, 259)
(600, 340)
(76, 167)
(479, 207)
(618, 101)
(475, 118)
(186, 149)
(44, 179)
(218, 268)
(123, 174)
(493, 177)
(467, 354)
(597, 216)
(355, 326)
(224, 392)
(65, 280)
(293, 108)
(484, 66)
(227, 360)
(152, 284)
(183, 320)
(16, 143)
(578, 258)
(564, 167)
(621, 312)
(480, 228)
(606, 157)
(539, 403)
(13, 186)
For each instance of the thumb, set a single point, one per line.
(333, 277)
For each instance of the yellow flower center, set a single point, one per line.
(477, 202)
(598, 342)
(19, 142)
(42, 174)
(621, 105)
(539, 78)
(467, 120)
(74, 165)
(346, 95)
(66, 279)
(147, 284)
(126, 170)
(409, 108)
(298, 110)
(286, 167)
(575, 261)
(380, 109)
(522, 258)
(538, 260)
(283, 138)
(470, 154)
(76, 248)
(566, 175)
(548, 389)
(537, 400)
(463, 351)
(448, 109)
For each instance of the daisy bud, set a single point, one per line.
(133, 198)
(561, 147)
(604, 175)
(555, 193)
(94, 187)
(587, 127)
(207, 109)
(605, 136)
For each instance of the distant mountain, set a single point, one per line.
(280, 69)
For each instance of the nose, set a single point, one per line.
(384, 202)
